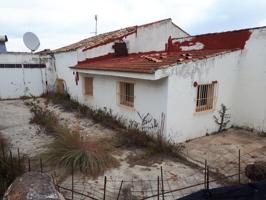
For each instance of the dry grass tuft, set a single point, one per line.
(89, 157)
(69, 149)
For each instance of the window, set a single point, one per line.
(205, 97)
(88, 86)
(126, 94)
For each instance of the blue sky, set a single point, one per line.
(61, 22)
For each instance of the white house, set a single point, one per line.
(188, 81)
(143, 38)
(155, 68)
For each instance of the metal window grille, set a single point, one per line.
(206, 94)
(126, 94)
(88, 86)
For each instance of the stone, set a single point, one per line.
(256, 171)
(33, 186)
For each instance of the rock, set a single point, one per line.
(256, 171)
(33, 186)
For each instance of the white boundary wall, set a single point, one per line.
(18, 82)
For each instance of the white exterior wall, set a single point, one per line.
(148, 38)
(62, 62)
(156, 34)
(150, 96)
(153, 37)
(183, 122)
(250, 94)
(18, 82)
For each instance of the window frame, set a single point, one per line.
(206, 95)
(126, 100)
(89, 94)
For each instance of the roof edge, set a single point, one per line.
(213, 33)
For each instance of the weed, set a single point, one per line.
(145, 134)
(10, 166)
(224, 118)
(44, 117)
(70, 150)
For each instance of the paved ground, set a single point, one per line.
(221, 150)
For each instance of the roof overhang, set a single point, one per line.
(158, 74)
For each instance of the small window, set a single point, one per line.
(205, 97)
(88, 86)
(126, 94)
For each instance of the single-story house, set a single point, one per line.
(155, 68)
(187, 82)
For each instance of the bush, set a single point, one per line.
(10, 166)
(43, 117)
(145, 134)
(89, 157)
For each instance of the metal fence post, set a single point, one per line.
(29, 167)
(72, 182)
(158, 187)
(104, 187)
(205, 175)
(119, 190)
(41, 165)
(208, 186)
(239, 167)
(162, 182)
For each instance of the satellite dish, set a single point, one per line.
(31, 41)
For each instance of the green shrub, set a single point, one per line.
(89, 157)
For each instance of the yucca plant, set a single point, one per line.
(70, 151)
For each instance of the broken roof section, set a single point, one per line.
(178, 51)
(108, 37)
(143, 62)
(212, 41)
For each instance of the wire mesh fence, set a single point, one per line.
(220, 171)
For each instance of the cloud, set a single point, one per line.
(61, 22)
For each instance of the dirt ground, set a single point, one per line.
(15, 127)
(222, 150)
(141, 180)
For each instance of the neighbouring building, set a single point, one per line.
(3, 40)
(160, 69)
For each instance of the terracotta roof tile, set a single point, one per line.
(143, 62)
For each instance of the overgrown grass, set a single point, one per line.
(69, 150)
(146, 134)
(105, 116)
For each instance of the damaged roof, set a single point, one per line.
(143, 62)
(177, 51)
(106, 37)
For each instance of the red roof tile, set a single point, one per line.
(177, 51)
(212, 41)
(142, 62)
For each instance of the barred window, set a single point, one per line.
(126, 94)
(88, 86)
(205, 97)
